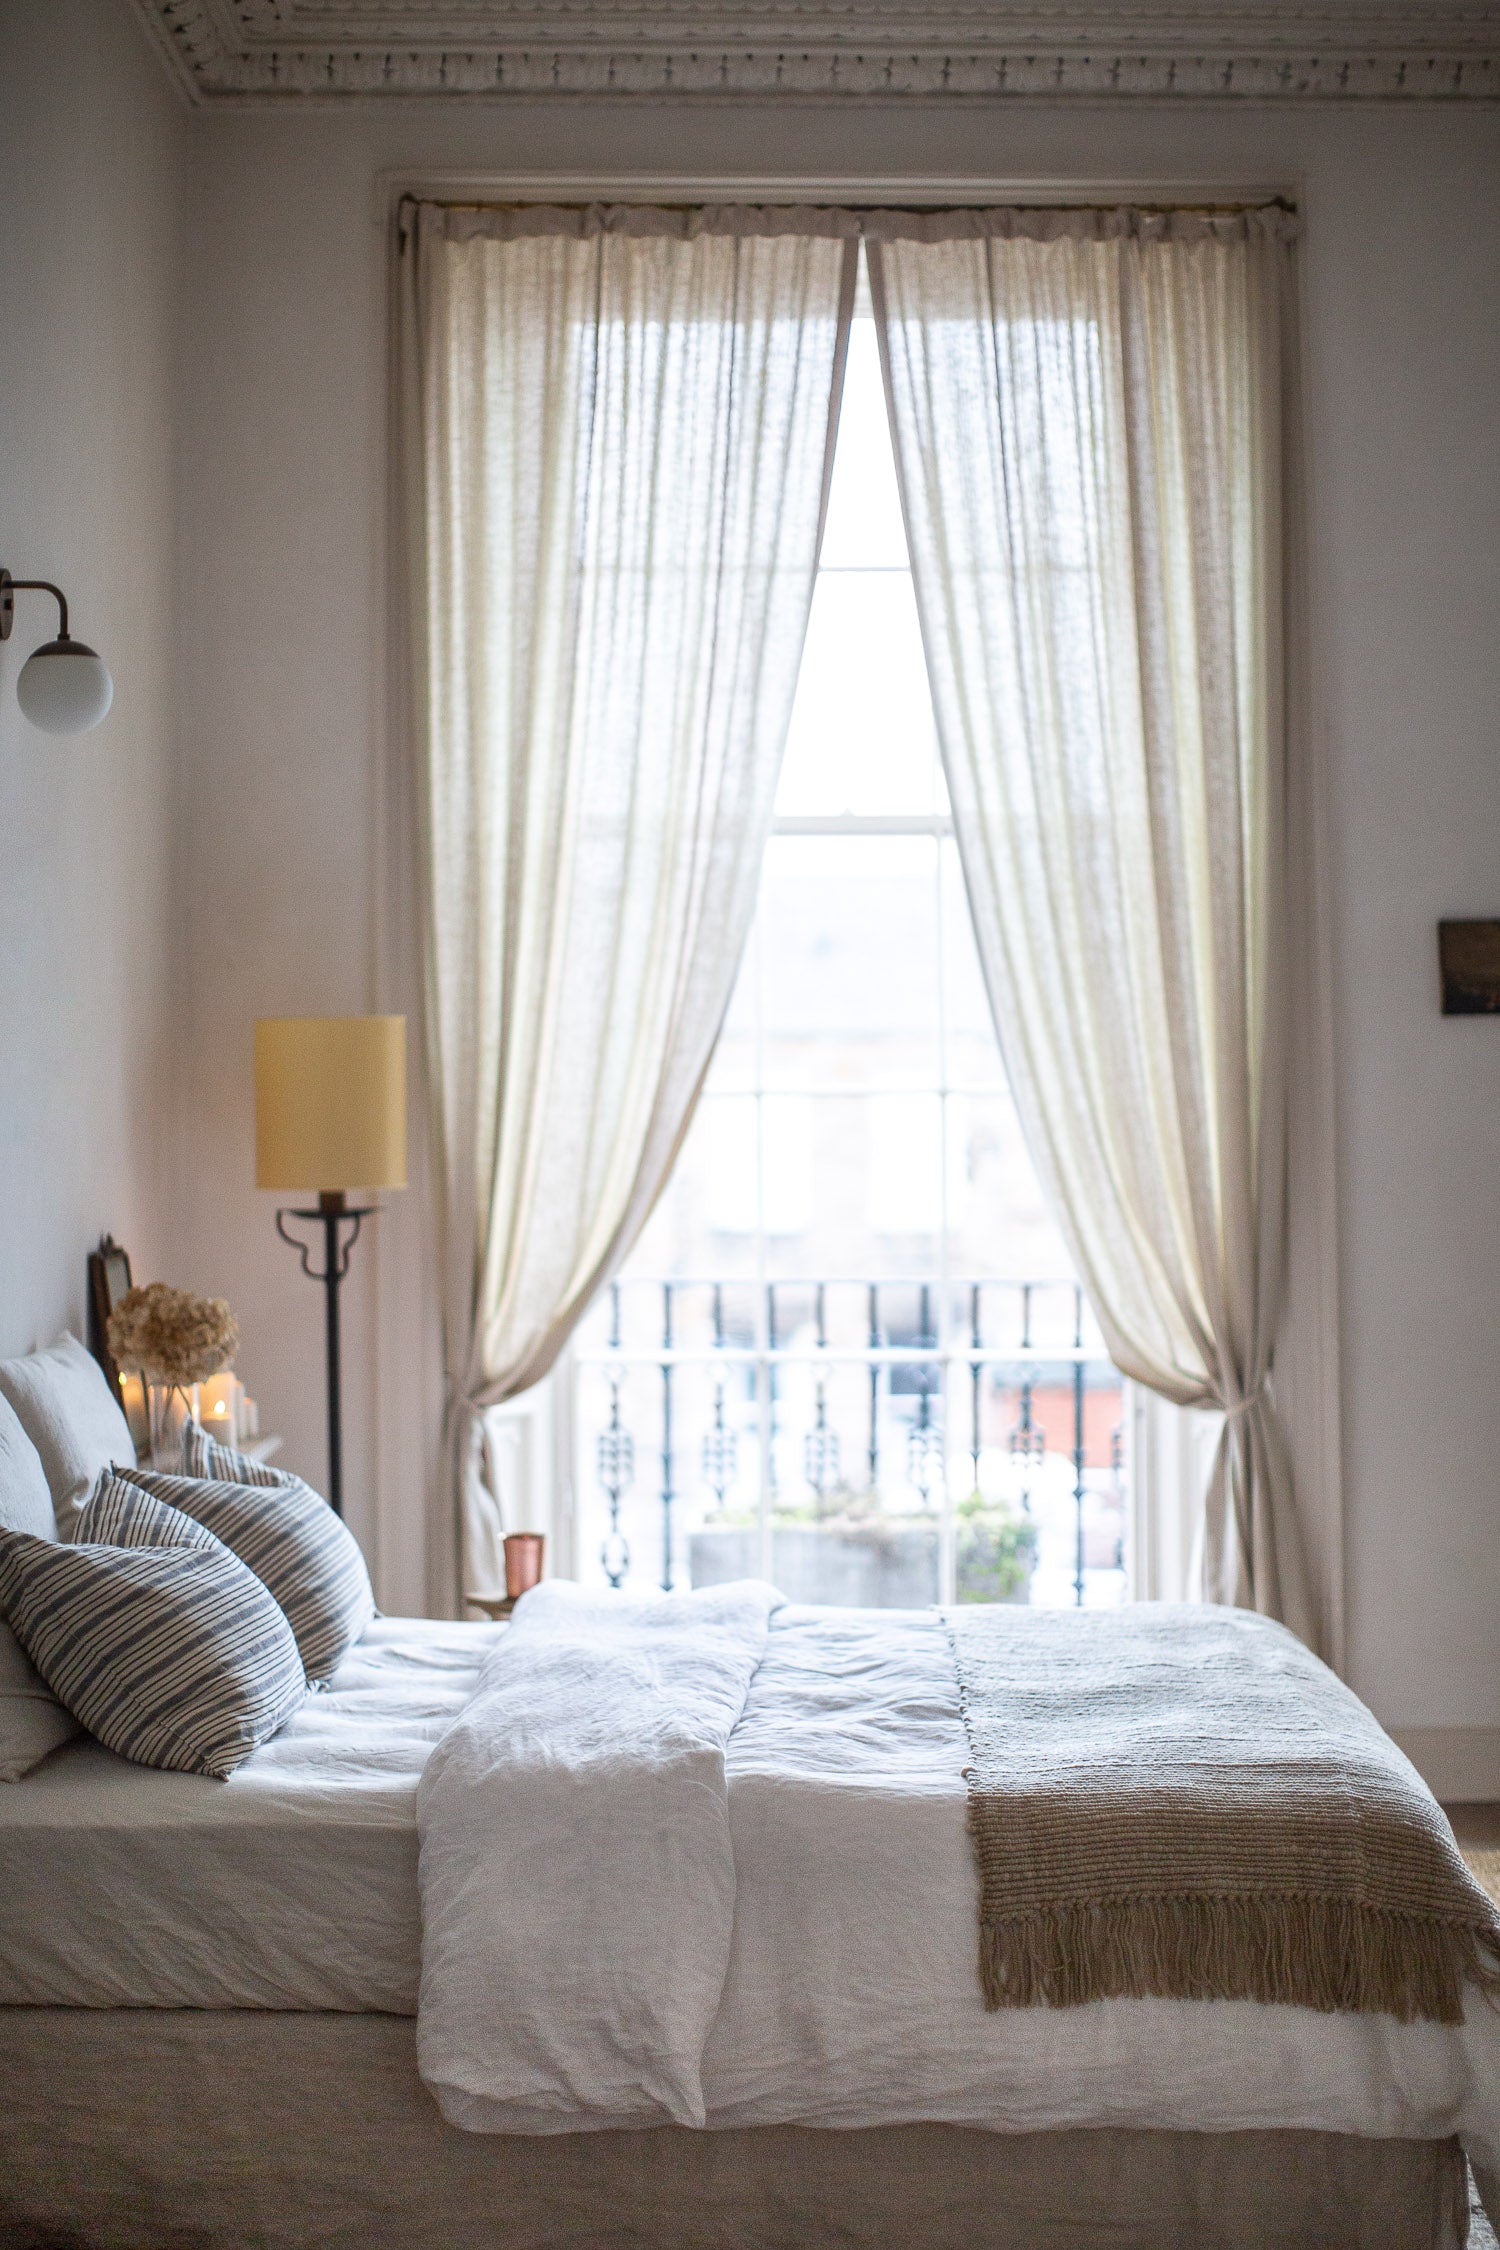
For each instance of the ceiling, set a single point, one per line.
(259, 51)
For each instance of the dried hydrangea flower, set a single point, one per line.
(170, 1336)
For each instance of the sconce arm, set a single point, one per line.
(10, 587)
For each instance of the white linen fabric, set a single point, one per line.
(851, 1993)
(68, 1411)
(1087, 412)
(846, 1787)
(850, 1997)
(25, 1496)
(132, 2129)
(617, 432)
(577, 1813)
(292, 1885)
(32, 1722)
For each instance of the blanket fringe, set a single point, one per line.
(1330, 1954)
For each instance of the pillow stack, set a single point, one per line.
(288, 1535)
(157, 1638)
(185, 1616)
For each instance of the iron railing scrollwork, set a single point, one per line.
(754, 1401)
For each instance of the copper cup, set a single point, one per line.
(523, 1562)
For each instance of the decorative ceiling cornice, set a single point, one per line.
(255, 51)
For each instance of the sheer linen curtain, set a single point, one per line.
(618, 429)
(1086, 409)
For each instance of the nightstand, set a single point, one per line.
(495, 1606)
(254, 1449)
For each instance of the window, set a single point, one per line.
(848, 1352)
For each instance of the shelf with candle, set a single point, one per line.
(221, 1403)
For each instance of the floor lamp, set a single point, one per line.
(330, 1116)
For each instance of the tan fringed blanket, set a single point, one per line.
(1183, 1801)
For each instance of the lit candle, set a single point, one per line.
(217, 1408)
(133, 1406)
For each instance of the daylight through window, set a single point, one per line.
(848, 1353)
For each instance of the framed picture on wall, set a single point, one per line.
(109, 1280)
(1469, 954)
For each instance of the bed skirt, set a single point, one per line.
(166, 2129)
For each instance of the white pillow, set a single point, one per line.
(32, 1721)
(72, 1417)
(25, 1501)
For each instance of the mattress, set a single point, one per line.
(851, 1999)
(291, 1885)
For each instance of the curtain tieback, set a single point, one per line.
(1242, 1407)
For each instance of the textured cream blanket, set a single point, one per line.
(1183, 1802)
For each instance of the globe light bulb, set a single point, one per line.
(64, 687)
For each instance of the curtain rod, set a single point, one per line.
(858, 207)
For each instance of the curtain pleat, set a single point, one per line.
(616, 445)
(1086, 413)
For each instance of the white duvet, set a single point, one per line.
(705, 1860)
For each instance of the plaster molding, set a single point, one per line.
(255, 51)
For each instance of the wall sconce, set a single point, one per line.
(63, 687)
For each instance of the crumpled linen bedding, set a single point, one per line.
(850, 1995)
(293, 1884)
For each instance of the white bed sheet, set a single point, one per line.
(853, 1999)
(291, 1885)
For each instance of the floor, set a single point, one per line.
(1478, 1825)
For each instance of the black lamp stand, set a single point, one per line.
(332, 1213)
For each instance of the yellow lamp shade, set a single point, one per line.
(330, 1102)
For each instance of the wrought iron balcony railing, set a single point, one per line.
(895, 1440)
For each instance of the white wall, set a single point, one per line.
(91, 145)
(289, 867)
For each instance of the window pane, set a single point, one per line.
(707, 1221)
(850, 956)
(861, 737)
(998, 1222)
(864, 524)
(735, 1068)
(973, 1050)
(904, 1171)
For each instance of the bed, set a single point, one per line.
(209, 2036)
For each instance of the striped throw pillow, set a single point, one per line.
(162, 1643)
(204, 1456)
(118, 1514)
(295, 1545)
